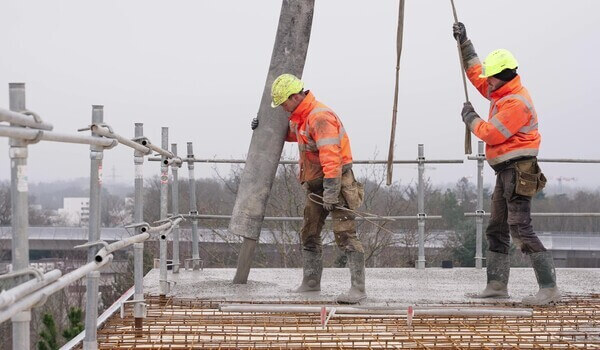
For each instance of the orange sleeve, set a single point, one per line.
(511, 117)
(325, 130)
(480, 84)
(291, 135)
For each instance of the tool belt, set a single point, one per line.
(529, 178)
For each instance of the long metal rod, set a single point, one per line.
(479, 219)
(556, 160)
(20, 214)
(164, 188)
(460, 311)
(399, 35)
(300, 218)
(41, 135)
(193, 207)
(574, 215)
(39, 296)
(8, 297)
(463, 74)
(162, 151)
(421, 207)
(175, 209)
(292, 162)
(138, 216)
(91, 305)
(16, 118)
(124, 243)
(106, 132)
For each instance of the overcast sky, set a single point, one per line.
(199, 68)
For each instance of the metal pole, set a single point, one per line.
(479, 218)
(421, 208)
(91, 305)
(164, 189)
(20, 214)
(175, 208)
(138, 248)
(193, 207)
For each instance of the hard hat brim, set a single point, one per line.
(273, 105)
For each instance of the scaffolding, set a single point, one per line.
(27, 128)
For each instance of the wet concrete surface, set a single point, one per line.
(385, 286)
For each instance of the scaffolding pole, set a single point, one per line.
(164, 189)
(421, 207)
(20, 214)
(138, 216)
(193, 207)
(479, 219)
(175, 208)
(91, 306)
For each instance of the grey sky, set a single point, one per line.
(199, 68)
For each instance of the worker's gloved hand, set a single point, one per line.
(254, 123)
(468, 113)
(331, 192)
(328, 206)
(460, 32)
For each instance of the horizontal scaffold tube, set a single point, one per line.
(113, 247)
(576, 215)
(31, 135)
(362, 162)
(106, 132)
(299, 218)
(425, 311)
(8, 297)
(159, 150)
(23, 120)
(33, 299)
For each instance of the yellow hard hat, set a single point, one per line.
(283, 87)
(497, 61)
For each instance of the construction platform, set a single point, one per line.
(189, 316)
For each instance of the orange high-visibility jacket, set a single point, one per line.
(323, 143)
(512, 127)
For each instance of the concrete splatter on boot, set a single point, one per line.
(356, 263)
(498, 270)
(543, 265)
(312, 270)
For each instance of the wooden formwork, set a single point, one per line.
(174, 323)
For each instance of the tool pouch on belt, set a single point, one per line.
(352, 190)
(529, 178)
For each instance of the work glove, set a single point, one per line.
(459, 32)
(254, 123)
(468, 114)
(331, 192)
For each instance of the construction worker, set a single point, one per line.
(512, 143)
(326, 174)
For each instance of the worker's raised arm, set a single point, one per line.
(470, 59)
(514, 116)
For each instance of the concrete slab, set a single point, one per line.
(385, 286)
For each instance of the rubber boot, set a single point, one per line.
(356, 263)
(498, 270)
(543, 265)
(311, 271)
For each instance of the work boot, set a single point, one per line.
(312, 270)
(543, 265)
(498, 269)
(356, 263)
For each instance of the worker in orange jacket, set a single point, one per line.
(512, 144)
(325, 172)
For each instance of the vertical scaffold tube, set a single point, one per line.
(163, 285)
(193, 207)
(20, 214)
(175, 209)
(421, 208)
(289, 55)
(91, 305)
(479, 218)
(138, 216)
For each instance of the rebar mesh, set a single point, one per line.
(174, 323)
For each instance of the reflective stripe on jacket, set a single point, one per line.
(322, 141)
(512, 127)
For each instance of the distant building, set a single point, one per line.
(75, 211)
